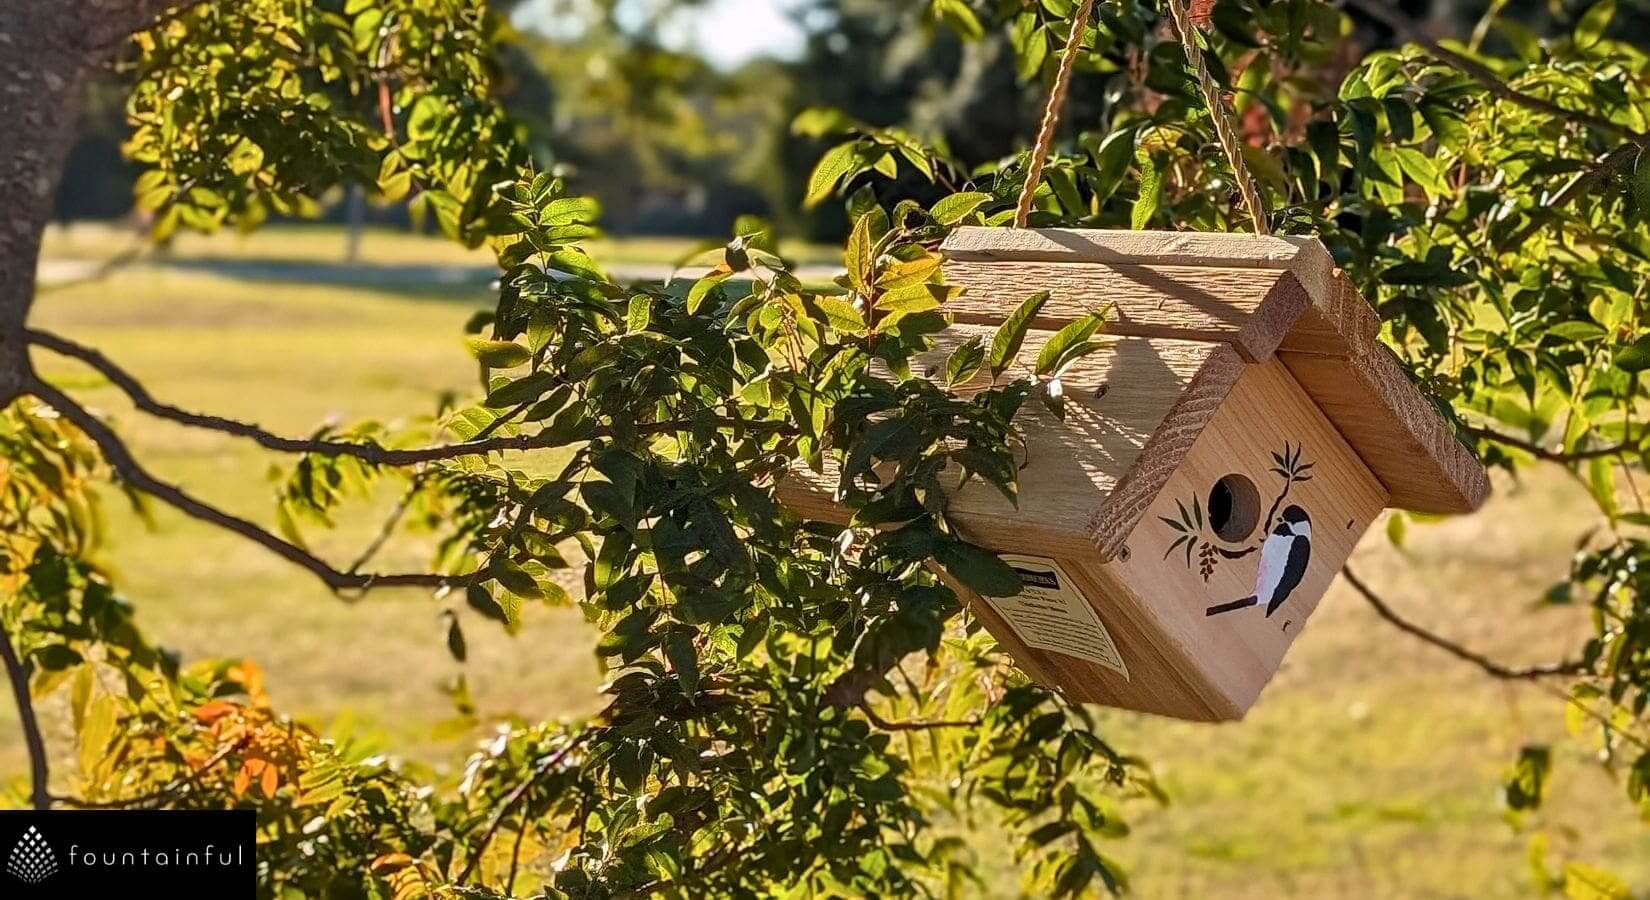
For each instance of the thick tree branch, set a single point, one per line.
(1543, 453)
(1489, 666)
(367, 452)
(39, 771)
(121, 460)
(1484, 75)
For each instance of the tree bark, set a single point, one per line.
(39, 772)
(41, 87)
(47, 50)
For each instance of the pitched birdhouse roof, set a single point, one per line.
(1207, 306)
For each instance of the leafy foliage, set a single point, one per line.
(794, 705)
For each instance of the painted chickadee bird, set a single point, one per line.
(1284, 557)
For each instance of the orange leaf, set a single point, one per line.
(271, 781)
(243, 780)
(217, 709)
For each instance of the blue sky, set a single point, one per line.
(726, 32)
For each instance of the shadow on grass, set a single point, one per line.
(421, 280)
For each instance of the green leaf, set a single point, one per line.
(1151, 190)
(455, 639)
(481, 600)
(527, 387)
(914, 299)
(1590, 27)
(1074, 336)
(965, 362)
(1577, 331)
(498, 354)
(821, 121)
(960, 17)
(516, 580)
(1601, 482)
(1584, 882)
(702, 288)
(640, 314)
(570, 211)
(979, 570)
(1635, 357)
(833, 167)
(1423, 170)
(842, 315)
(957, 207)
(859, 254)
(684, 659)
(1006, 342)
(1641, 182)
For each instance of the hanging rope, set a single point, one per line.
(1051, 113)
(1221, 117)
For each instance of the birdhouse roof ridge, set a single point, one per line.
(1266, 297)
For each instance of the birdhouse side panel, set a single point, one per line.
(1077, 631)
(1249, 533)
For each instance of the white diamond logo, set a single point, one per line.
(32, 860)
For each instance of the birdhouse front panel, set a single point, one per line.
(1244, 540)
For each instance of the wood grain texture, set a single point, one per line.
(1181, 661)
(1408, 445)
(1165, 450)
(1304, 256)
(1233, 655)
(1163, 283)
(1183, 302)
(1156, 395)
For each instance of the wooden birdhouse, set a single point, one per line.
(1216, 466)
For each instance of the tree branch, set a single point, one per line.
(1483, 74)
(516, 796)
(39, 773)
(163, 794)
(1489, 666)
(367, 452)
(885, 725)
(1584, 183)
(121, 460)
(1543, 453)
(103, 270)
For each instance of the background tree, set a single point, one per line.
(792, 706)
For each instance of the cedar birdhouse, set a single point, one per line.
(1218, 462)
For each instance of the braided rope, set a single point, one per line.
(1219, 115)
(1051, 113)
(1225, 128)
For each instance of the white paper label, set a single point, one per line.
(1049, 614)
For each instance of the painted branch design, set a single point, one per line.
(1192, 539)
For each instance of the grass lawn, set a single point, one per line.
(1368, 770)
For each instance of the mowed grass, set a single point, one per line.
(1369, 769)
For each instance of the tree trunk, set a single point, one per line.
(47, 50)
(41, 87)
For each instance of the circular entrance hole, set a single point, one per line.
(1234, 508)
